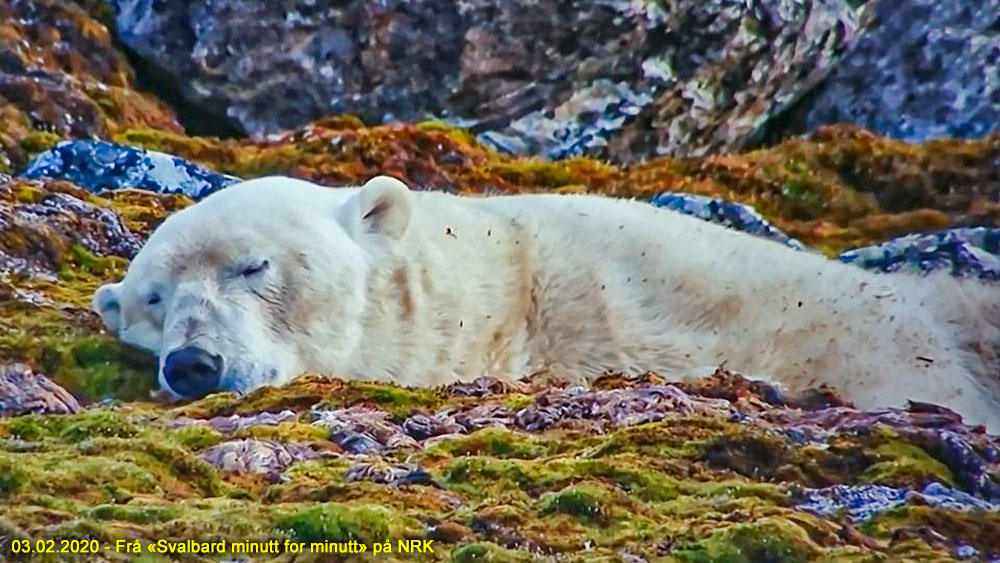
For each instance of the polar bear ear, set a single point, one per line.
(107, 304)
(384, 206)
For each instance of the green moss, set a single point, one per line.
(39, 141)
(69, 349)
(195, 436)
(336, 522)
(97, 424)
(87, 262)
(978, 528)
(585, 502)
(12, 477)
(137, 514)
(901, 464)
(284, 432)
(72, 428)
(178, 469)
(678, 438)
(517, 401)
(497, 442)
(768, 539)
(487, 553)
(462, 136)
(34, 427)
(64, 474)
(401, 402)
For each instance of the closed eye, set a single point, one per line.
(254, 269)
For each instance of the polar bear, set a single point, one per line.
(275, 277)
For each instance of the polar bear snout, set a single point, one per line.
(192, 371)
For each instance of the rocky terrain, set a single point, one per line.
(92, 158)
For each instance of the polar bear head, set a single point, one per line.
(257, 283)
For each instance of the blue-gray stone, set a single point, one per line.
(923, 69)
(728, 213)
(964, 252)
(862, 502)
(100, 166)
(969, 252)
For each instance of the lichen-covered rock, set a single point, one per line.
(24, 392)
(62, 76)
(100, 165)
(44, 231)
(257, 457)
(236, 423)
(924, 70)
(863, 502)
(545, 78)
(963, 252)
(388, 473)
(970, 252)
(362, 430)
(727, 213)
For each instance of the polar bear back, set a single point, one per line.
(661, 290)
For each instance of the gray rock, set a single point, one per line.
(862, 502)
(388, 473)
(99, 166)
(362, 430)
(971, 252)
(925, 69)
(611, 77)
(727, 213)
(236, 422)
(964, 252)
(53, 223)
(24, 392)
(259, 457)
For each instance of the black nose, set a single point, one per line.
(192, 372)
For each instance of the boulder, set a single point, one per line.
(923, 69)
(101, 165)
(23, 391)
(531, 77)
(61, 75)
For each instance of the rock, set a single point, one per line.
(727, 213)
(616, 407)
(236, 423)
(866, 501)
(47, 226)
(963, 252)
(23, 391)
(99, 166)
(614, 77)
(968, 252)
(860, 502)
(486, 387)
(60, 73)
(362, 430)
(258, 457)
(388, 473)
(925, 69)
(421, 426)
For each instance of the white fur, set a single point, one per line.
(426, 288)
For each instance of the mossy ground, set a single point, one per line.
(658, 491)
